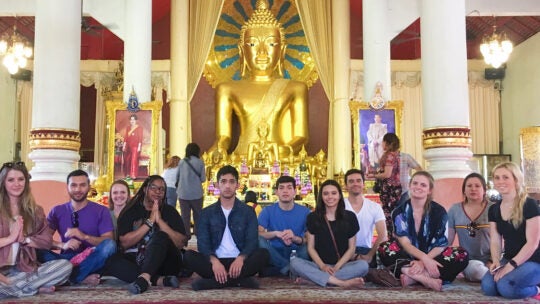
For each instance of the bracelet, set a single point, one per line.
(513, 263)
(148, 223)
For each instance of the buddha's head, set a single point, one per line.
(262, 43)
(262, 130)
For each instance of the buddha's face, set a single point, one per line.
(262, 50)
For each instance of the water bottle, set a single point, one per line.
(293, 256)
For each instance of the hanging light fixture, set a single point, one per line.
(16, 51)
(496, 48)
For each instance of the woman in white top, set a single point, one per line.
(170, 176)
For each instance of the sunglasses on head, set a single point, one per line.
(16, 165)
(75, 219)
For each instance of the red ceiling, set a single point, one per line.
(100, 43)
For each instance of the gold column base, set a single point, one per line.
(52, 138)
(447, 137)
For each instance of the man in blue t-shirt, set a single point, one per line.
(282, 227)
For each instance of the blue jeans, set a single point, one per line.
(92, 264)
(280, 257)
(171, 196)
(520, 283)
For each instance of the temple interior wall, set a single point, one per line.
(519, 103)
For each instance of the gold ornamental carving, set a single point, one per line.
(530, 155)
(447, 137)
(51, 138)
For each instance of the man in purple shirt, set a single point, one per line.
(81, 224)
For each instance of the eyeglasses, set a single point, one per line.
(156, 188)
(15, 165)
(75, 219)
(471, 228)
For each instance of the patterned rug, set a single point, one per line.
(273, 290)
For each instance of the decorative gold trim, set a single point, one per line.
(112, 106)
(530, 156)
(447, 137)
(55, 138)
(356, 106)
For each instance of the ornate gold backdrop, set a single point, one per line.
(223, 60)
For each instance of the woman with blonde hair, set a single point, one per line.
(23, 229)
(170, 175)
(119, 195)
(515, 221)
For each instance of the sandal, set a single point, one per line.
(139, 286)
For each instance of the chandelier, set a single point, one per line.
(16, 51)
(496, 48)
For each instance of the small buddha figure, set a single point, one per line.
(262, 95)
(262, 154)
(318, 169)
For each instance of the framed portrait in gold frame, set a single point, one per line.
(132, 143)
(369, 126)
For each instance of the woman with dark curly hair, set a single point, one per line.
(422, 253)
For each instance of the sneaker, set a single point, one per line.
(171, 281)
(205, 284)
(249, 282)
(139, 286)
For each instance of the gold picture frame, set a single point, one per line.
(362, 116)
(119, 158)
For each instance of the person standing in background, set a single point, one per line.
(389, 174)
(170, 175)
(406, 164)
(191, 175)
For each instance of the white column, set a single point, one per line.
(138, 49)
(180, 122)
(341, 115)
(376, 46)
(445, 89)
(55, 135)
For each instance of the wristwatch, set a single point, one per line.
(513, 263)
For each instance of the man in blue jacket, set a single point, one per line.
(227, 240)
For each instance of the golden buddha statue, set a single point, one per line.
(262, 95)
(262, 153)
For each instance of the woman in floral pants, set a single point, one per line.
(421, 253)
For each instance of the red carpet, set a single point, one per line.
(273, 290)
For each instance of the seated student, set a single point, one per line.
(23, 229)
(331, 242)
(152, 234)
(227, 240)
(81, 224)
(515, 221)
(282, 226)
(420, 229)
(369, 215)
(119, 195)
(469, 220)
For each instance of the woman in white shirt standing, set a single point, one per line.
(170, 176)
